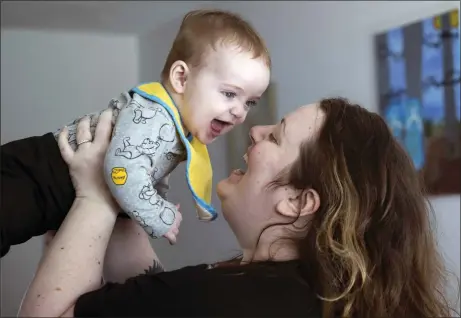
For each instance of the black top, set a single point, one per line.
(266, 290)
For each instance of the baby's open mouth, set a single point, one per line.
(217, 126)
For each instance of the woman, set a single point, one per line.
(330, 217)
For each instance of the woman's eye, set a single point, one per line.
(229, 94)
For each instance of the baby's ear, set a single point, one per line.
(178, 76)
(299, 203)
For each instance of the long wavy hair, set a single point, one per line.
(370, 249)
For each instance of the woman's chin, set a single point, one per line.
(226, 185)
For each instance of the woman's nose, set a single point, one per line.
(256, 133)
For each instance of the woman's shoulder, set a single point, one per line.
(210, 276)
(263, 289)
(265, 270)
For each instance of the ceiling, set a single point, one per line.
(130, 17)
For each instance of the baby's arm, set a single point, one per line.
(135, 150)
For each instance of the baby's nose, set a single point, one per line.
(239, 112)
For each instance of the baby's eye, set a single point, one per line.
(251, 103)
(272, 138)
(229, 94)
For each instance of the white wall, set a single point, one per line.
(321, 49)
(198, 242)
(48, 78)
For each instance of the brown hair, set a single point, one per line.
(370, 249)
(202, 30)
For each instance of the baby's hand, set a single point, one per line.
(174, 230)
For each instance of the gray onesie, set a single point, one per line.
(144, 150)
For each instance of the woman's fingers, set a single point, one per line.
(66, 150)
(84, 132)
(103, 131)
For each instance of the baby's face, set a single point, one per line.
(221, 91)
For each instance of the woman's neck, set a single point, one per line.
(274, 250)
(278, 243)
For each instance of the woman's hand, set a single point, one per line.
(86, 164)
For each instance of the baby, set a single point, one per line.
(217, 69)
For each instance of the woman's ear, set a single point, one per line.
(178, 76)
(299, 204)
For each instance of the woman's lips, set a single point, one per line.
(236, 176)
(249, 149)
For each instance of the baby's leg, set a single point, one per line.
(36, 189)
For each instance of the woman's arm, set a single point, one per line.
(73, 262)
(129, 253)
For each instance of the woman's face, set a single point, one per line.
(248, 204)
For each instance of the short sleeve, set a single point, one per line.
(143, 295)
